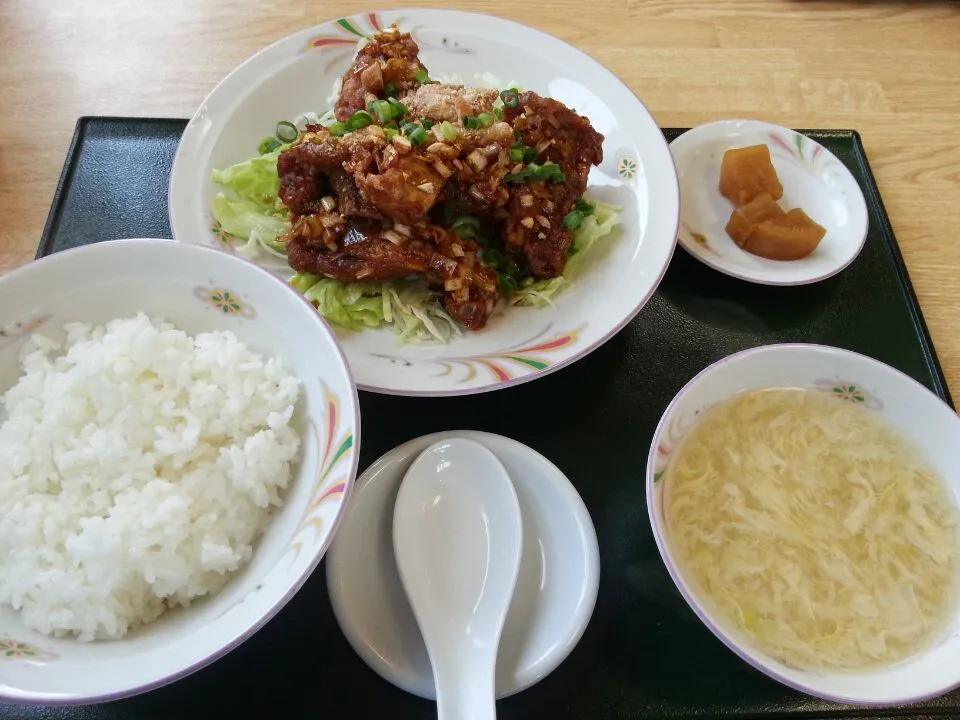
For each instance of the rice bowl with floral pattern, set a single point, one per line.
(294, 76)
(198, 290)
(847, 377)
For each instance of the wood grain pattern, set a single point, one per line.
(889, 69)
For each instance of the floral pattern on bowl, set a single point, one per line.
(11, 649)
(334, 474)
(226, 301)
(669, 438)
(853, 392)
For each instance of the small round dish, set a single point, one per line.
(918, 414)
(813, 179)
(556, 588)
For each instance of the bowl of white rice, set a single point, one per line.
(178, 438)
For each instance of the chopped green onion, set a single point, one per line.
(338, 129)
(391, 133)
(573, 220)
(389, 90)
(517, 136)
(550, 171)
(360, 119)
(584, 207)
(398, 108)
(516, 154)
(471, 123)
(381, 110)
(492, 257)
(465, 227)
(416, 133)
(268, 145)
(447, 130)
(498, 111)
(529, 154)
(418, 136)
(427, 124)
(486, 119)
(508, 282)
(287, 131)
(511, 97)
(536, 173)
(421, 77)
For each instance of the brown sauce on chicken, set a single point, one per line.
(366, 203)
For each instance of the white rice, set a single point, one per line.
(138, 466)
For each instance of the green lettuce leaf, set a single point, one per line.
(250, 207)
(596, 226)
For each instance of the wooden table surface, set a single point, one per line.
(889, 69)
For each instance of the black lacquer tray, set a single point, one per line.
(644, 655)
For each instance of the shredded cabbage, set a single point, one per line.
(408, 305)
(814, 528)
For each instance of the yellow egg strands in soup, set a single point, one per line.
(813, 527)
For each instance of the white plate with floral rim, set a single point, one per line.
(296, 75)
(812, 178)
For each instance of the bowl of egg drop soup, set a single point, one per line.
(805, 501)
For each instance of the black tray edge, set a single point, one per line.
(872, 190)
(929, 349)
(53, 217)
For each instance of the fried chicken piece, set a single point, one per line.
(373, 178)
(537, 210)
(452, 103)
(477, 161)
(327, 244)
(390, 57)
(403, 186)
(307, 169)
(369, 176)
(348, 199)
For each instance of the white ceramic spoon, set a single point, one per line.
(457, 537)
